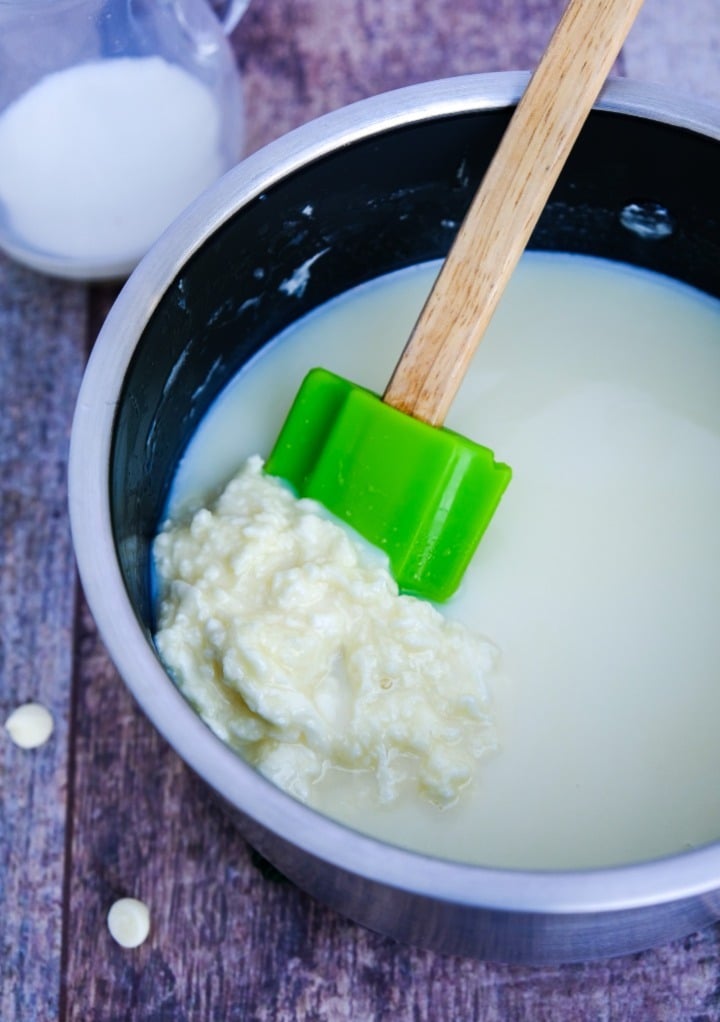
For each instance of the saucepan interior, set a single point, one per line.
(380, 186)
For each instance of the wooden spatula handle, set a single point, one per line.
(513, 193)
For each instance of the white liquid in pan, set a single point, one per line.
(599, 577)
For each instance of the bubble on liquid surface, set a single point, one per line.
(648, 220)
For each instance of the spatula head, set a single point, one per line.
(423, 495)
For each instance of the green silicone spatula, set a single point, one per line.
(385, 465)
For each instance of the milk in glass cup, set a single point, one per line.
(114, 116)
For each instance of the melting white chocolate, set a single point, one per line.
(289, 636)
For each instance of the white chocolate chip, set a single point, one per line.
(129, 922)
(30, 725)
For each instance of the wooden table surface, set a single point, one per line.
(106, 808)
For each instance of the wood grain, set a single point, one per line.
(106, 808)
(299, 61)
(42, 331)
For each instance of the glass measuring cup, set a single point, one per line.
(114, 115)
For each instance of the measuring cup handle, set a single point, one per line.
(231, 14)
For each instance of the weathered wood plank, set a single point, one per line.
(42, 330)
(299, 60)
